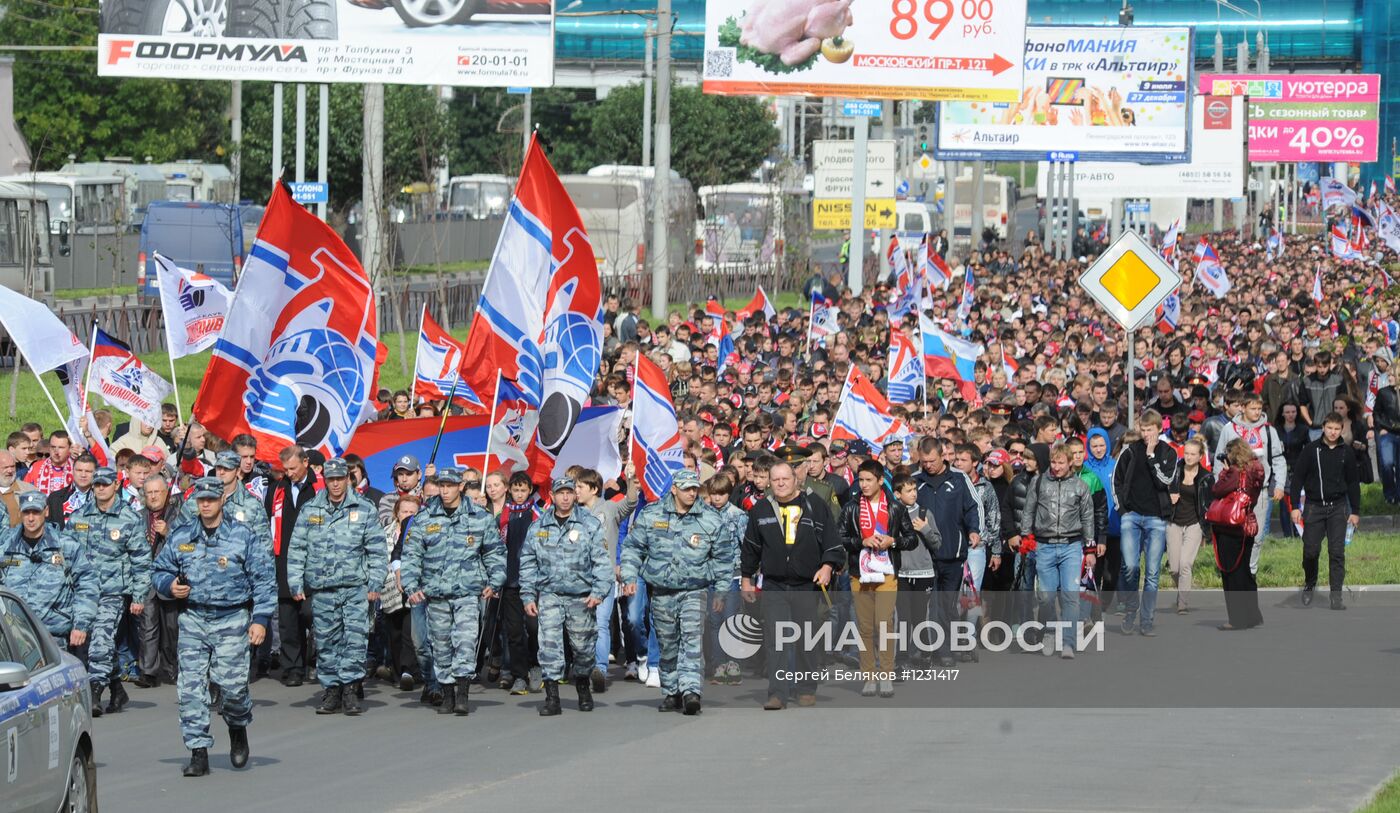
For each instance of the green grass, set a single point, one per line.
(447, 268)
(1371, 559)
(79, 293)
(1386, 800)
(1373, 501)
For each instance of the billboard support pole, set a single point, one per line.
(1071, 211)
(323, 137)
(855, 272)
(301, 132)
(235, 134)
(979, 169)
(950, 201)
(372, 187)
(647, 40)
(277, 102)
(1050, 192)
(661, 181)
(1218, 205)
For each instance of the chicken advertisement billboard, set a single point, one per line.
(1088, 94)
(489, 43)
(893, 49)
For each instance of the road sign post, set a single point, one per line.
(1129, 281)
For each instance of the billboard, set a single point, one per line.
(408, 42)
(903, 49)
(1088, 93)
(1307, 117)
(1216, 168)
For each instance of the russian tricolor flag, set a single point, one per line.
(947, 357)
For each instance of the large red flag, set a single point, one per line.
(297, 361)
(539, 320)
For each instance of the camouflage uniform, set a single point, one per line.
(240, 506)
(336, 557)
(52, 575)
(562, 563)
(115, 544)
(232, 584)
(451, 558)
(680, 556)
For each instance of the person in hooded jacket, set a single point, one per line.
(1252, 427)
(1099, 460)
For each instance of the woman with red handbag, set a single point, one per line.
(1233, 528)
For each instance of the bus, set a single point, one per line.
(145, 183)
(477, 197)
(80, 205)
(998, 204)
(26, 261)
(740, 226)
(615, 205)
(191, 179)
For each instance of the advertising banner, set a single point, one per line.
(1306, 117)
(1105, 93)
(1216, 168)
(488, 43)
(895, 49)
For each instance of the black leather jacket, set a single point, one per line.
(901, 528)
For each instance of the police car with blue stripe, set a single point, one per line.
(46, 752)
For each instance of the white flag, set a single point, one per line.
(44, 341)
(195, 307)
(593, 444)
(124, 382)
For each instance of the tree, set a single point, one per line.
(714, 139)
(63, 106)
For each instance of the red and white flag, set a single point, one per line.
(195, 307)
(864, 414)
(657, 448)
(759, 303)
(123, 381)
(298, 359)
(436, 364)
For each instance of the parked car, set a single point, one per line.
(45, 719)
(205, 237)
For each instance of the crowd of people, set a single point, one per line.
(188, 561)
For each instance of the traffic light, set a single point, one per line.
(925, 136)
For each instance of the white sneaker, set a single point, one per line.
(868, 690)
(643, 673)
(654, 679)
(886, 688)
(1047, 646)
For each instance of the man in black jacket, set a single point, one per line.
(947, 494)
(283, 501)
(1141, 478)
(1387, 420)
(1325, 472)
(793, 540)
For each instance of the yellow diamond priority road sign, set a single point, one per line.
(1130, 280)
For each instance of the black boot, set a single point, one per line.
(449, 699)
(359, 687)
(585, 693)
(691, 703)
(238, 746)
(330, 700)
(459, 705)
(97, 690)
(118, 699)
(551, 699)
(199, 763)
(671, 702)
(350, 699)
(1307, 596)
(1336, 598)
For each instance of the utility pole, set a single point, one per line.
(1218, 205)
(323, 137)
(646, 93)
(277, 105)
(526, 111)
(660, 255)
(372, 186)
(301, 132)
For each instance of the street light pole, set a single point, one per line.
(646, 94)
(660, 255)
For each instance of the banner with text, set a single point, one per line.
(1107, 93)
(1216, 168)
(890, 49)
(1306, 117)
(415, 43)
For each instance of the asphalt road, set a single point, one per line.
(919, 751)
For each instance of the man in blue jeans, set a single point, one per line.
(1145, 469)
(1060, 512)
(1387, 420)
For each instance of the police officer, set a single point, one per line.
(114, 537)
(565, 572)
(452, 559)
(239, 504)
(677, 547)
(338, 558)
(50, 572)
(227, 581)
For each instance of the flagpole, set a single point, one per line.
(87, 378)
(923, 364)
(169, 340)
(486, 455)
(174, 382)
(413, 391)
(443, 423)
(811, 316)
(632, 423)
(38, 377)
